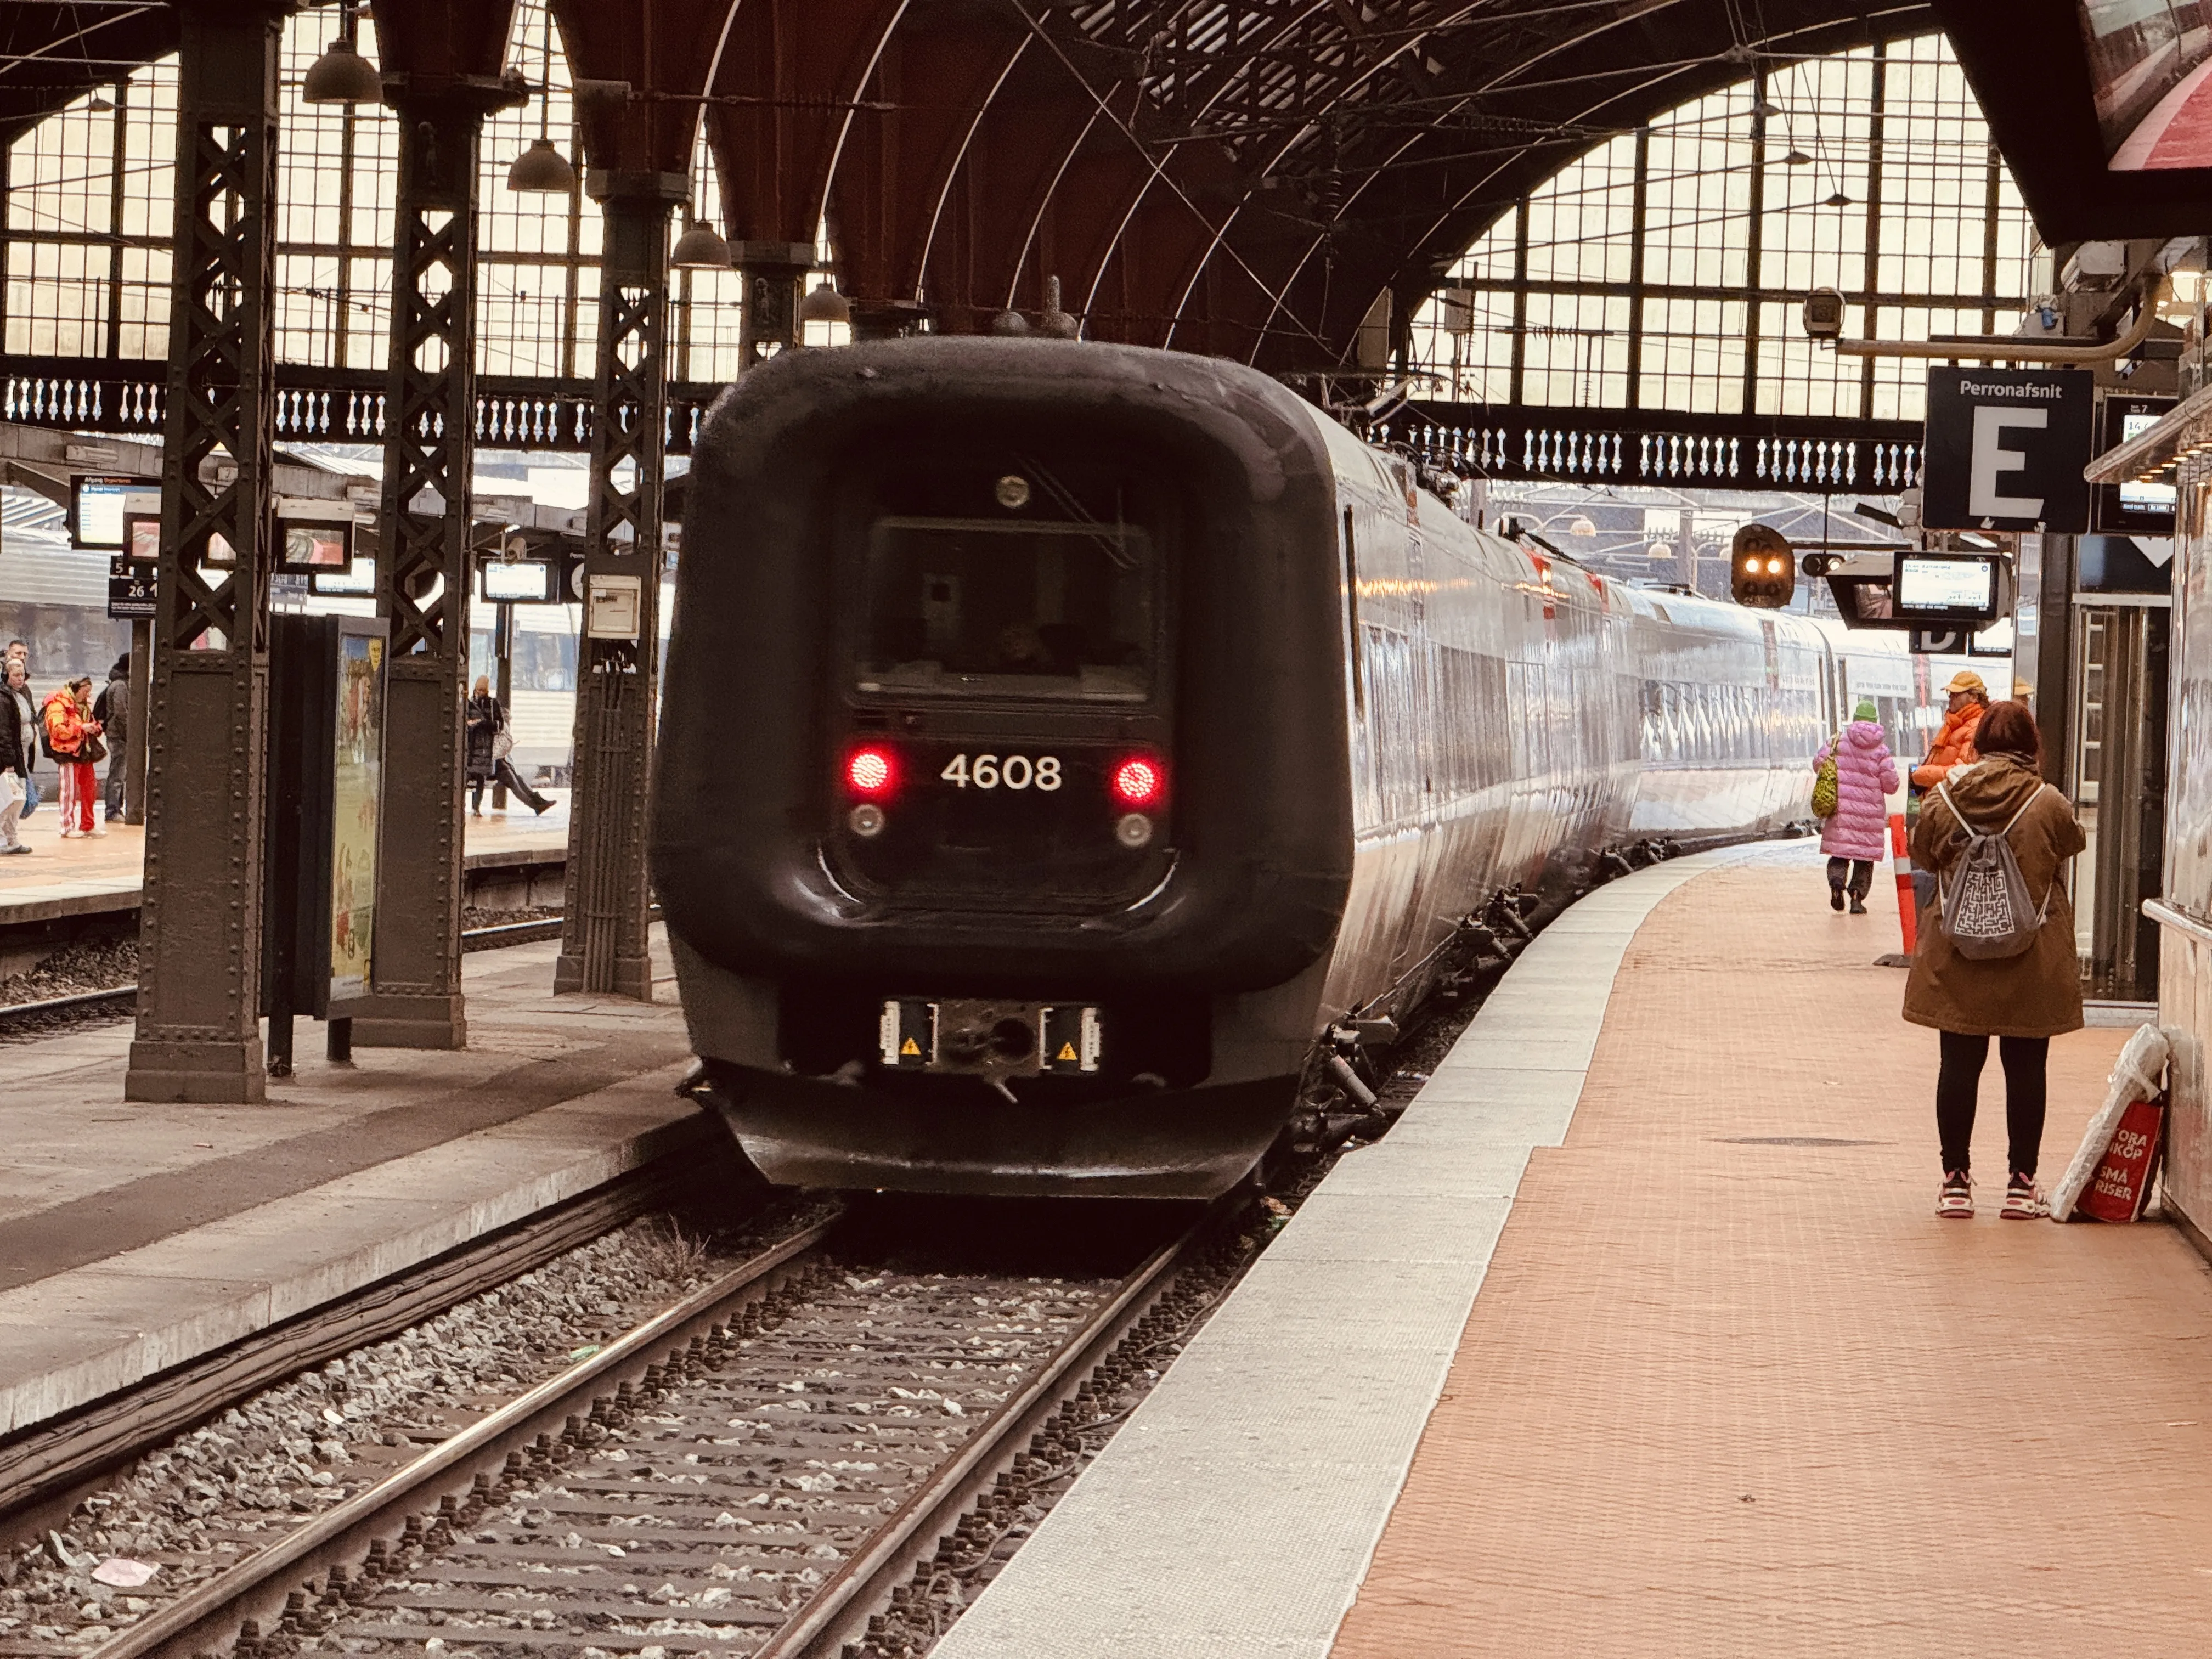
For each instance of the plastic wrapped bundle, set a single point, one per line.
(2136, 1078)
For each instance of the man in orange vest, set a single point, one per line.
(1954, 744)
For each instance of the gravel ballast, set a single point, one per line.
(211, 1496)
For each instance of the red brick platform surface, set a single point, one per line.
(1723, 1394)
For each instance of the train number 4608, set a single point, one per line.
(1013, 771)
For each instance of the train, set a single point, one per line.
(1063, 745)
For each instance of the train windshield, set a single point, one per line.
(1026, 609)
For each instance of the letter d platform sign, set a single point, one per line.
(2006, 447)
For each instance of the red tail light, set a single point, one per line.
(1140, 781)
(871, 773)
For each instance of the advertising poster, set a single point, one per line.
(356, 789)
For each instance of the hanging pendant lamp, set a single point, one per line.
(342, 75)
(542, 167)
(823, 304)
(698, 246)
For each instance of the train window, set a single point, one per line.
(1031, 608)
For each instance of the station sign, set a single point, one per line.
(133, 588)
(2124, 564)
(2005, 449)
(1952, 642)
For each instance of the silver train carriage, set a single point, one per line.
(1058, 739)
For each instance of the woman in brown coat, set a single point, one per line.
(2023, 1002)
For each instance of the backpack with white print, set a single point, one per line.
(1986, 908)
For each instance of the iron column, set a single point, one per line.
(199, 949)
(423, 564)
(603, 927)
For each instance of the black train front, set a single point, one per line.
(1057, 738)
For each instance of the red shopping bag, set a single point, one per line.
(2121, 1186)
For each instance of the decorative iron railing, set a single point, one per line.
(1659, 448)
(124, 397)
(1597, 446)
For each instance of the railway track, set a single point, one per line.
(760, 1470)
(50, 1013)
(45, 1470)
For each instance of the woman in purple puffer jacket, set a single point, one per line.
(1857, 836)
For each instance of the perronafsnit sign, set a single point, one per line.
(2005, 449)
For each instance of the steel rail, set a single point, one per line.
(510, 932)
(63, 1005)
(207, 1619)
(839, 1611)
(472, 938)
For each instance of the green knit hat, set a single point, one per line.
(1865, 711)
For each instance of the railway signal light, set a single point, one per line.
(1762, 568)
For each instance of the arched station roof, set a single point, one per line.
(1238, 177)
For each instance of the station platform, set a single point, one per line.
(101, 874)
(1639, 1334)
(135, 1238)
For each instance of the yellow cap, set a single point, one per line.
(1967, 680)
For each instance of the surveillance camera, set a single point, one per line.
(1824, 314)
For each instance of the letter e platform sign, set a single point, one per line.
(2006, 447)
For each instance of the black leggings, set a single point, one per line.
(512, 779)
(1861, 871)
(1960, 1080)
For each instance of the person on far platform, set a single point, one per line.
(488, 742)
(1857, 833)
(111, 708)
(18, 748)
(73, 737)
(17, 667)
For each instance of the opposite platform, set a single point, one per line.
(134, 1236)
(1727, 1385)
(103, 873)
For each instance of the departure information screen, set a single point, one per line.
(1947, 585)
(2143, 497)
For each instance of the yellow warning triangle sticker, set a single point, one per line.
(1067, 1052)
(909, 1047)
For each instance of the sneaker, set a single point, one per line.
(1835, 898)
(2024, 1201)
(20, 847)
(1858, 905)
(71, 832)
(1956, 1201)
(97, 829)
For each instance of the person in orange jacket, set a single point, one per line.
(1954, 744)
(72, 738)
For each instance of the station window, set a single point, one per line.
(1664, 269)
(88, 204)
